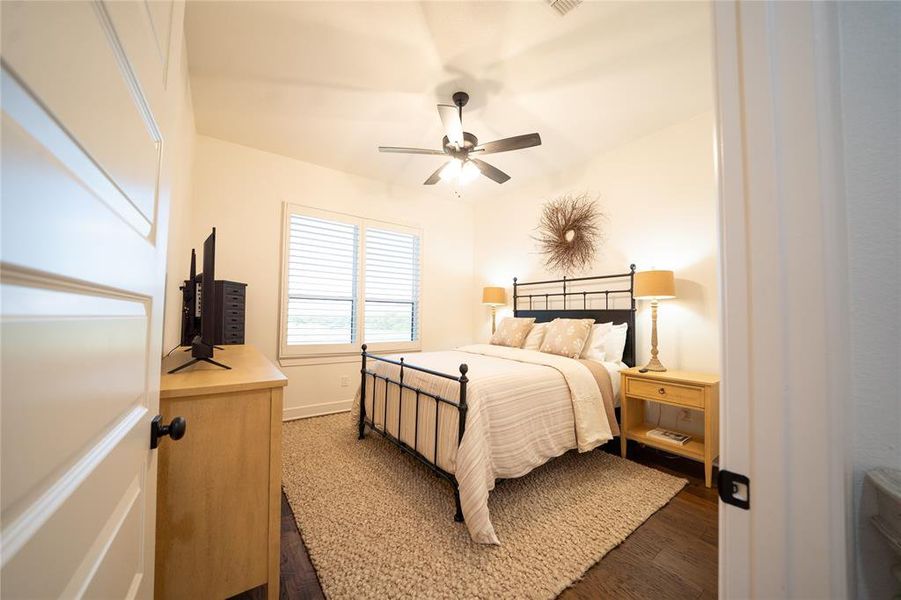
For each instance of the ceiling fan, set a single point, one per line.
(462, 146)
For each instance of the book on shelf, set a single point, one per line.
(667, 435)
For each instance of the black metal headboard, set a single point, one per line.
(581, 304)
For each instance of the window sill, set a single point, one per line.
(350, 356)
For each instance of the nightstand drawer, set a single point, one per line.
(666, 392)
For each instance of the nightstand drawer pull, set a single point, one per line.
(671, 393)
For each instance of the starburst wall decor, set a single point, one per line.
(569, 232)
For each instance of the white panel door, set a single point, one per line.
(84, 109)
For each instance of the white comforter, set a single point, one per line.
(525, 407)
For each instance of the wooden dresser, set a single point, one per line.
(219, 487)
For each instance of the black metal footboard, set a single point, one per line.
(413, 450)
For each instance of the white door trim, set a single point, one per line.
(784, 296)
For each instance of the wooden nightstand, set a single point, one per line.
(681, 389)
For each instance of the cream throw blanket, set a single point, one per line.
(524, 408)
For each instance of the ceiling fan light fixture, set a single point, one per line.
(451, 170)
(470, 172)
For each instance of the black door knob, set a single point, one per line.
(176, 430)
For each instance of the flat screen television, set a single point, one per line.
(208, 294)
(190, 307)
(202, 346)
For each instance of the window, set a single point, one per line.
(348, 281)
(392, 285)
(322, 290)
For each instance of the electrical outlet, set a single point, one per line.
(345, 381)
(685, 415)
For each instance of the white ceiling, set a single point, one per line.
(328, 82)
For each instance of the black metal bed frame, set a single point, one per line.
(413, 451)
(617, 316)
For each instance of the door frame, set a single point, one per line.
(784, 296)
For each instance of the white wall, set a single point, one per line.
(871, 119)
(241, 191)
(658, 195)
(179, 212)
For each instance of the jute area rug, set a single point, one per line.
(377, 524)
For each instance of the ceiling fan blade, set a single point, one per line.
(489, 171)
(436, 176)
(453, 126)
(511, 143)
(409, 150)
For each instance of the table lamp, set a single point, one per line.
(654, 286)
(494, 297)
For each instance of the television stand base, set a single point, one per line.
(197, 360)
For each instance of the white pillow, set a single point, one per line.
(595, 343)
(596, 355)
(615, 342)
(535, 337)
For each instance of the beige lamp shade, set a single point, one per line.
(655, 285)
(494, 296)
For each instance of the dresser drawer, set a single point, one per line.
(666, 392)
(235, 337)
(233, 300)
(233, 289)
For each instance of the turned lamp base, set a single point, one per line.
(654, 365)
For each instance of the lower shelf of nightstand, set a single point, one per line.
(693, 449)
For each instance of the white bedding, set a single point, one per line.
(525, 407)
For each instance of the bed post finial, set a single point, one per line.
(463, 381)
(632, 267)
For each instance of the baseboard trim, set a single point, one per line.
(316, 410)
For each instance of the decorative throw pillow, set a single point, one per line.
(566, 337)
(536, 335)
(512, 331)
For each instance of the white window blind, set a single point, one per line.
(348, 281)
(322, 276)
(391, 286)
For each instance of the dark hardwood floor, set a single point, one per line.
(298, 577)
(672, 555)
